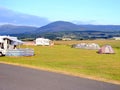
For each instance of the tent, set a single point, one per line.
(106, 49)
(92, 46)
(42, 41)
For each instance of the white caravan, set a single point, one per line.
(8, 43)
(42, 41)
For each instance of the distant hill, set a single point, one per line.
(62, 29)
(100, 27)
(58, 26)
(13, 29)
(68, 26)
(8, 16)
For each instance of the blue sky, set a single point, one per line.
(81, 11)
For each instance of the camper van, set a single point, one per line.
(8, 43)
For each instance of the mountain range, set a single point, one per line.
(12, 22)
(8, 29)
(68, 26)
(31, 26)
(57, 26)
(62, 29)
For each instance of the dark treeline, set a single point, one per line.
(74, 35)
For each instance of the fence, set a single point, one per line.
(20, 52)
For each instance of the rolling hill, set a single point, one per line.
(58, 26)
(68, 26)
(13, 29)
(62, 29)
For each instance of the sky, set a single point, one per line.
(105, 12)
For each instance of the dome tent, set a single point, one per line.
(106, 49)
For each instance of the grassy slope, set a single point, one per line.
(74, 61)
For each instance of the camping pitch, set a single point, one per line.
(106, 49)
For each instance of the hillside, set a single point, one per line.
(13, 29)
(106, 28)
(58, 26)
(59, 29)
(68, 26)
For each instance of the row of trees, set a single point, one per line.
(75, 35)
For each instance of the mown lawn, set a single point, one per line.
(80, 62)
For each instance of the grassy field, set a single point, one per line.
(80, 62)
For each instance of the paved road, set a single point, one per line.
(19, 78)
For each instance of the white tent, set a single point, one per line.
(93, 46)
(42, 41)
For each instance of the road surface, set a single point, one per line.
(20, 78)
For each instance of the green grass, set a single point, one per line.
(63, 58)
